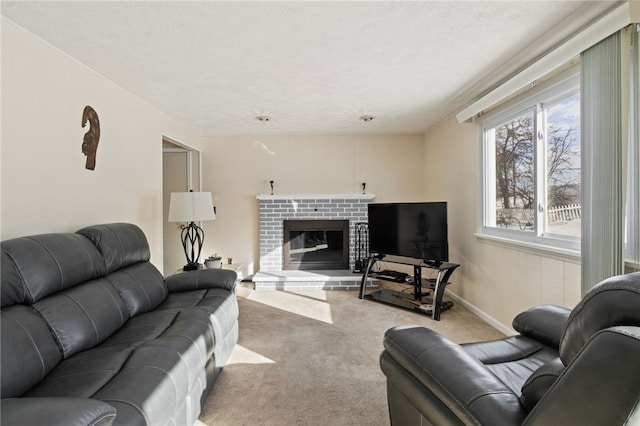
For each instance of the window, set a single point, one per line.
(532, 166)
(562, 128)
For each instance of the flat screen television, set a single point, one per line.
(417, 230)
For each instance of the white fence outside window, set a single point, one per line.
(524, 218)
(564, 214)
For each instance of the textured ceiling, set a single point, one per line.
(314, 67)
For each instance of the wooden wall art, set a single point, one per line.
(92, 137)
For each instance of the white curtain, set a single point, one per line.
(603, 210)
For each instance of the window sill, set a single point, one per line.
(566, 255)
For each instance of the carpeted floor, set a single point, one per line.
(311, 358)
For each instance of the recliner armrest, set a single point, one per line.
(202, 279)
(466, 387)
(57, 412)
(544, 323)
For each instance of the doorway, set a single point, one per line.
(180, 173)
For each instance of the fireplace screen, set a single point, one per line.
(316, 244)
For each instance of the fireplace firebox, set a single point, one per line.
(315, 244)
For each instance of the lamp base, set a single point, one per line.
(192, 267)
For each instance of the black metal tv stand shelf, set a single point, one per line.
(417, 300)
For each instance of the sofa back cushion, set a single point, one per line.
(121, 244)
(83, 316)
(141, 286)
(37, 266)
(612, 302)
(28, 351)
(126, 253)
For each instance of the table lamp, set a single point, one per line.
(191, 207)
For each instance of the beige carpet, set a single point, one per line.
(311, 358)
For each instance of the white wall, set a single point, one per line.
(498, 280)
(236, 169)
(45, 186)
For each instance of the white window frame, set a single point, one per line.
(564, 85)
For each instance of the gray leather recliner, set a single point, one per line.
(579, 367)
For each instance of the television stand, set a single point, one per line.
(415, 300)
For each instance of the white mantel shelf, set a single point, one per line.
(315, 196)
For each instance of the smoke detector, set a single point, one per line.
(367, 118)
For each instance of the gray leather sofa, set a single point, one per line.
(93, 335)
(579, 367)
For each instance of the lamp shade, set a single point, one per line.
(191, 207)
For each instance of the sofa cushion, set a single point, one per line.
(512, 359)
(192, 337)
(594, 312)
(141, 286)
(539, 383)
(218, 308)
(511, 348)
(28, 351)
(149, 389)
(82, 375)
(40, 265)
(141, 329)
(84, 316)
(121, 244)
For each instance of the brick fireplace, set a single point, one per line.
(275, 209)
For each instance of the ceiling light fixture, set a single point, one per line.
(367, 118)
(263, 118)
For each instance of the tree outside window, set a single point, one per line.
(532, 168)
(563, 167)
(515, 179)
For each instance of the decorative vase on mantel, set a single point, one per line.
(213, 262)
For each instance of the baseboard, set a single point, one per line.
(507, 331)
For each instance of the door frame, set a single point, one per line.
(194, 179)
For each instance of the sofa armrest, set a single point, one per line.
(465, 387)
(599, 387)
(202, 279)
(57, 412)
(544, 323)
